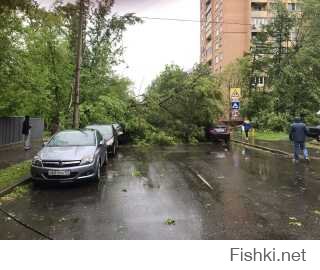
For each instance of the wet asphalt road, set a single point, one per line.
(246, 194)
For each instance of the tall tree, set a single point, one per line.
(76, 98)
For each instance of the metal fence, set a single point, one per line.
(11, 129)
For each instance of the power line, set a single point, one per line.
(192, 20)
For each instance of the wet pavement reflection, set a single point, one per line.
(254, 195)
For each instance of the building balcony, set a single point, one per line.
(257, 14)
(260, 1)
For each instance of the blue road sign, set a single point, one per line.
(235, 105)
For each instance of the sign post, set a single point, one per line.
(235, 96)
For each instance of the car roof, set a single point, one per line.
(98, 125)
(77, 130)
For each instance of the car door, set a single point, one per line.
(101, 147)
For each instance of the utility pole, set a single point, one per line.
(76, 89)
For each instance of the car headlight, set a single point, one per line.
(87, 160)
(37, 161)
(110, 142)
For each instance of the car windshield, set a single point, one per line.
(73, 138)
(106, 130)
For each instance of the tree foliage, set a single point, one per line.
(37, 61)
(182, 103)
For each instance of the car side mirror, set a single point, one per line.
(101, 142)
(44, 144)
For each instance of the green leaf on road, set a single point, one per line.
(170, 221)
(317, 212)
(136, 173)
(294, 222)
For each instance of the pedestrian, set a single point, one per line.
(247, 126)
(298, 134)
(26, 132)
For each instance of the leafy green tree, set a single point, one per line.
(287, 53)
(182, 103)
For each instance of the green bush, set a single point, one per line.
(161, 138)
(312, 120)
(271, 121)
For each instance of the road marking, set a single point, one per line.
(203, 180)
(199, 176)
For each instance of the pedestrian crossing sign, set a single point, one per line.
(235, 105)
(235, 93)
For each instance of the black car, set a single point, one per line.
(314, 132)
(122, 137)
(218, 132)
(110, 136)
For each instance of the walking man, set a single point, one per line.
(298, 134)
(247, 126)
(26, 132)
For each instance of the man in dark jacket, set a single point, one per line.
(26, 132)
(298, 134)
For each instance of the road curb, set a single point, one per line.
(271, 150)
(24, 180)
(275, 151)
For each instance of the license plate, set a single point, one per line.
(219, 130)
(59, 173)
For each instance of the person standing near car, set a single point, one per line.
(298, 134)
(247, 126)
(26, 132)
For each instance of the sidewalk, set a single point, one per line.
(285, 145)
(12, 154)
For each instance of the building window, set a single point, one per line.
(217, 59)
(258, 23)
(209, 63)
(254, 35)
(258, 6)
(293, 36)
(292, 6)
(260, 81)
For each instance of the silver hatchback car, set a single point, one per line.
(70, 156)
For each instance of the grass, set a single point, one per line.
(17, 193)
(12, 174)
(271, 136)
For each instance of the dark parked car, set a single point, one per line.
(314, 132)
(219, 132)
(70, 156)
(118, 128)
(110, 136)
(122, 136)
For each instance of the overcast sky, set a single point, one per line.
(153, 44)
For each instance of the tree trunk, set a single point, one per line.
(76, 99)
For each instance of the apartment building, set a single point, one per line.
(228, 26)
